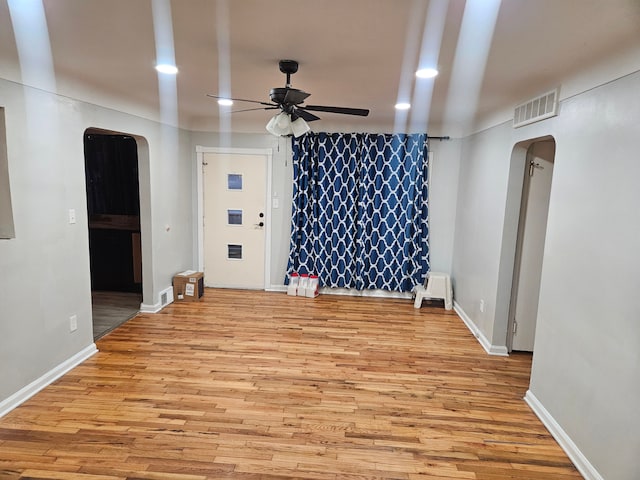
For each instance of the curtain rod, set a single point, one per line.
(438, 138)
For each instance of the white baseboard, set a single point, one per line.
(276, 288)
(499, 350)
(167, 293)
(350, 292)
(147, 308)
(365, 293)
(583, 465)
(51, 376)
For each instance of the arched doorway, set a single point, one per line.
(532, 225)
(113, 210)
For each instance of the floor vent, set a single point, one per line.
(166, 297)
(536, 109)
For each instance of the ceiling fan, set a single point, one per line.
(293, 116)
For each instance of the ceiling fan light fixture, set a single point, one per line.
(280, 125)
(225, 102)
(427, 73)
(402, 106)
(299, 127)
(284, 121)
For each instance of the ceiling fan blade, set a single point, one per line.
(240, 100)
(274, 107)
(343, 110)
(295, 96)
(306, 116)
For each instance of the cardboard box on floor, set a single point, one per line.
(188, 286)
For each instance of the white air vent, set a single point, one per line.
(536, 109)
(166, 296)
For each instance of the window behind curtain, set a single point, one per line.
(360, 210)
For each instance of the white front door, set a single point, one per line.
(533, 230)
(234, 190)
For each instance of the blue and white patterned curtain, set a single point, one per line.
(360, 211)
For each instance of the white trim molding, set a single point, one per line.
(378, 293)
(150, 308)
(48, 378)
(276, 288)
(499, 350)
(156, 307)
(350, 292)
(583, 465)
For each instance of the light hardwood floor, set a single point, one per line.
(255, 385)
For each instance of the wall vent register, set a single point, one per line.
(536, 109)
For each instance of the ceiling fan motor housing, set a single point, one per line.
(287, 96)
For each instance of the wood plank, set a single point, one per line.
(248, 385)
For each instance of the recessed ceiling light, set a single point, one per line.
(166, 68)
(403, 106)
(225, 101)
(426, 73)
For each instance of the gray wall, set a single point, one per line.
(586, 361)
(443, 194)
(480, 217)
(587, 354)
(44, 270)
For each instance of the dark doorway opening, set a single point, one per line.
(113, 207)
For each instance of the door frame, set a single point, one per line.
(519, 234)
(146, 230)
(263, 152)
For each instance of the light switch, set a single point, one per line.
(275, 203)
(72, 215)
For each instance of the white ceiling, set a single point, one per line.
(350, 52)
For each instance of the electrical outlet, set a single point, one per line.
(72, 215)
(482, 306)
(73, 323)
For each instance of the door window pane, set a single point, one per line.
(234, 252)
(234, 217)
(234, 181)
